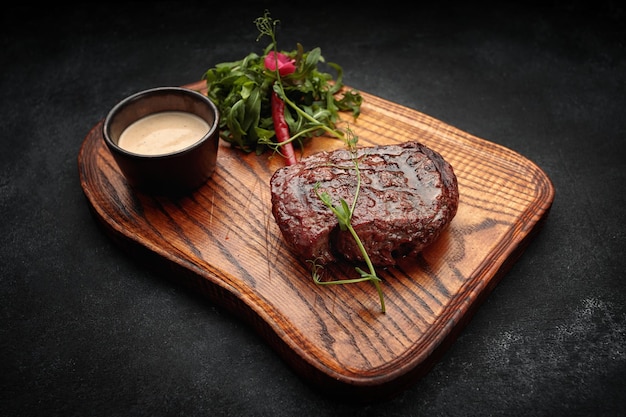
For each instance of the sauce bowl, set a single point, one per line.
(174, 170)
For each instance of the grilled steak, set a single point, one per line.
(408, 195)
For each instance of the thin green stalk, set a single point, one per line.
(343, 212)
(266, 26)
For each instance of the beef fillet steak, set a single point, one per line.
(409, 194)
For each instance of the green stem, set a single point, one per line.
(368, 262)
(266, 27)
(319, 125)
(344, 217)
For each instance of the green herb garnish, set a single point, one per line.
(242, 89)
(344, 212)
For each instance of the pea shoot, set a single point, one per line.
(344, 213)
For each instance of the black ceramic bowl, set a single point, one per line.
(175, 172)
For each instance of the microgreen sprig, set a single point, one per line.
(343, 212)
(267, 27)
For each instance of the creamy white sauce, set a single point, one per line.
(163, 132)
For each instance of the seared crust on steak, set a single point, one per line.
(409, 194)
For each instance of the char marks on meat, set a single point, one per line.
(409, 194)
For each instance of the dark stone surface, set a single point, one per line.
(86, 330)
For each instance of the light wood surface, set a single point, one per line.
(223, 242)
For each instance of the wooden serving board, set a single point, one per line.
(223, 241)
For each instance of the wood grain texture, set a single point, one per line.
(222, 241)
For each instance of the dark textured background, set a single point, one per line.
(87, 331)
